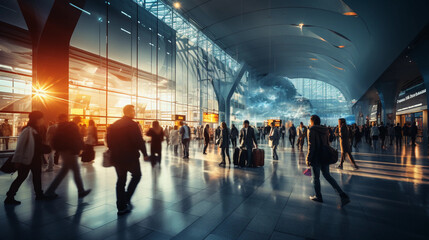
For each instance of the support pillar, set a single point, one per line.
(51, 31)
(387, 92)
(224, 92)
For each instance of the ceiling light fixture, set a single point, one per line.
(350, 14)
(301, 25)
(176, 5)
(341, 46)
(313, 59)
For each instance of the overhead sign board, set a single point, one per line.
(210, 117)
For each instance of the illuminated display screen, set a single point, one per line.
(210, 117)
(277, 122)
(179, 117)
(411, 99)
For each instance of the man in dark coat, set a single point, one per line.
(318, 137)
(125, 140)
(248, 140)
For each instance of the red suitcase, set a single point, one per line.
(258, 156)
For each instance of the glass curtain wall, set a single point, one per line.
(146, 54)
(327, 100)
(15, 72)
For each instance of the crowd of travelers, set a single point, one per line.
(71, 140)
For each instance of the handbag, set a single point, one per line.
(328, 154)
(307, 172)
(107, 159)
(8, 166)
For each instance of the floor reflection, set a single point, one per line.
(197, 199)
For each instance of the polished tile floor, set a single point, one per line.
(197, 199)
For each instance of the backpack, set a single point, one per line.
(328, 154)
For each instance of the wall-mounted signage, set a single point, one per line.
(277, 122)
(179, 117)
(210, 117)
(412, 99)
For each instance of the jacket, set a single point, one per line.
(318, 136)
(174, 137)
(206, 135)
(92, 138)
(375, 131)
(224, 138)
(67, 138)
(398, 131)
(234, 132)
(274, 137)
(124, 139)
(344, 139)
(25, 145)
(182, 132)
(247, 140)
(302, 132)
(292, 131)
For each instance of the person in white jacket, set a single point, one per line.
(28, 157)
(375, 132)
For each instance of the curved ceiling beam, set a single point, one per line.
(280, 8)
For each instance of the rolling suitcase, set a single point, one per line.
(258, 156)
(243, 158)
(88, 153)
(236, 156)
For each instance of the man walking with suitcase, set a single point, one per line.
(248, 140)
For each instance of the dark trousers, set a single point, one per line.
(316, 179)
(185, 143)
(249, 156)
(6, 143)
(413, 140)
(70, 162)
(275, 156)
(234, 142)
(123, 197)
(343, 158)
(225, 151)
(398, 141)
(155, 152)
(292, 140)
(206, 144)
(36, 169)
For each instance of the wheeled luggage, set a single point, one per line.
(88, 153)
(258, 156)
(236, 156)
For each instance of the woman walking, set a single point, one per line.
(28, 156)
(346, 148)
(175, 139)
(206, 138)
(157, 135)
(224, 143)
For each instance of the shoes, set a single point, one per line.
(316, 199)
(124, 211)
(344, 200)
(340, 167)
(356, 167)
(11, 201)
(49, 170)
(222, 164)
(84, 193)
(204, 153)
